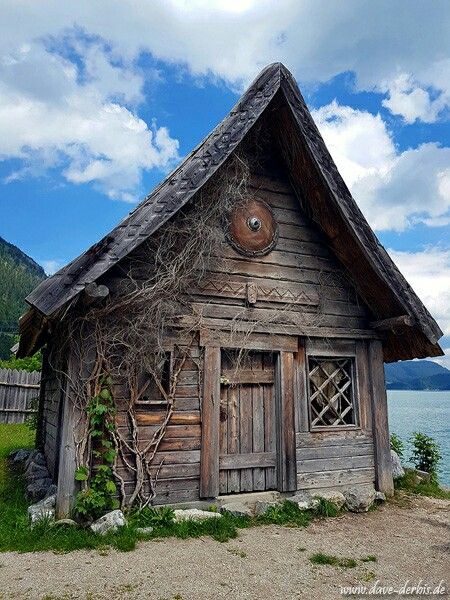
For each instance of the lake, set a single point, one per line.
(427, 412)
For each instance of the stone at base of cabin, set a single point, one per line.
(52, 490)
(359, 499)
(38, 488)
(262, 506)
(109, 522)
(380, 497)
(397, 469)
(35, 471)
(423, 476)
(144, 530)
(336, 498)
(194, 514)
(19, 456)
(45, 509)
(304, 500)
(237, 509)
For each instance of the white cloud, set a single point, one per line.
(394, 189)
(379, 41)
(51, 266)
(51, 116)
(428, 272)
(410, 100)
(443, 360)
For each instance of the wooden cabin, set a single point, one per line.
(284, 333)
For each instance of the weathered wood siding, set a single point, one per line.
(300, 285)
(301, 291)
(50, 413)
(177, 463)
(334, 459)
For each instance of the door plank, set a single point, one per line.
(270, 444)
(234, 478)
(259, 479)
(246, 433)
(223, 437)
(286, 423)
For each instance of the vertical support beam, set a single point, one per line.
(40, 429)
(287, 463)
(383, 466)
(209, 457)
(67, 453)
(300, 388)
(364, 396)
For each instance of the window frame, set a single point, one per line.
(156, 404)
(330, 356)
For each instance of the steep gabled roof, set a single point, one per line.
(180, 186)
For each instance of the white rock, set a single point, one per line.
(109, 522)
(194, 514)
(397, 469)
(237, 509)
(359, 499)
(380, 497)
(38, 512)
(336, 498)
(304, 500)
(262, 506)
(144, 530)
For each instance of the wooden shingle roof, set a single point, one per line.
(349, 229)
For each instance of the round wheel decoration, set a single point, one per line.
(252, 229)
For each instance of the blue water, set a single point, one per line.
(427, 412)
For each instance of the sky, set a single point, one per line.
(100, 100)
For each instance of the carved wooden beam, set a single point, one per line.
(393, 323)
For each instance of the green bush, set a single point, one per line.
(426, 453)
(397, 445)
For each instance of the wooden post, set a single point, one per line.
(287, 463)
(209, 458)
(67, 454)
(383, 466)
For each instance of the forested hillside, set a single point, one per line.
(19, 274)
(417, 375)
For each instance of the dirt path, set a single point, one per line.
(264, 563)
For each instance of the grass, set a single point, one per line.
(16, 534)
(328, 559)
(408, 484)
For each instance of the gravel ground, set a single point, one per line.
(264, 563)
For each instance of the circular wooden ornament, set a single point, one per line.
(252, 229)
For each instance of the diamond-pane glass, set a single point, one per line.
(331, 392)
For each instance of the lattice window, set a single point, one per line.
(331, 392)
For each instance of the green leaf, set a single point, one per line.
(111, 487)
(109, 456)
(81, 474)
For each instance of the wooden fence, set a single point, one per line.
(17, 390)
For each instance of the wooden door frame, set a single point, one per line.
(284, 347)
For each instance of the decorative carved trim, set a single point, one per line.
(252, 292)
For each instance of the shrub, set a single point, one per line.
(397, 445)
(426, 454)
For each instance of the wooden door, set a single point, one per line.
(247, 431)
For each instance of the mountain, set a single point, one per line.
(19, 275)
(416, 375)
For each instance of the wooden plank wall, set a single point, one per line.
(300, 263)
(52, 392)
(178, 457)
(300, 287)
(17, 390)
(344, 457)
